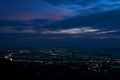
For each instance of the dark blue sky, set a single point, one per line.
(60, 23)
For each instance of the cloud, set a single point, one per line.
(106, 37)
(72, 31)
(88, 33)
(60, 10)
(107, 32)
(85, 33)
(55, 11)
(25, 23)
(85, 7)
(53, 15)
(15, 30)
(29, 10)
(28, 31)
(8, 30)
(79, 32)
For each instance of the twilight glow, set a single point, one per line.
(37, 23)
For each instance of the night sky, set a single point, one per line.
(60, 23)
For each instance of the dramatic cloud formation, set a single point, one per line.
(54, 9)
(59, 21)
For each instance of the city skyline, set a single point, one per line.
(60, 23)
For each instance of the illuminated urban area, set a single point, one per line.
(64, 63)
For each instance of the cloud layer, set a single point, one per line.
(47, 21)
(83, 30)
(54, 9)
(86, 7)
